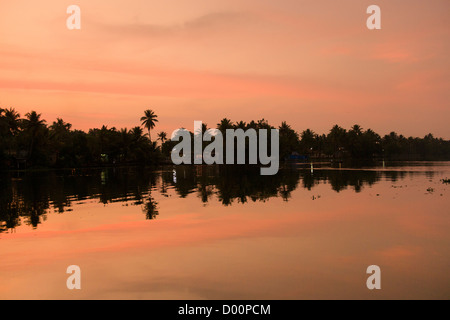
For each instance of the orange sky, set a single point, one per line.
(312, 63)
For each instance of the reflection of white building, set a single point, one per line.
(199, 158)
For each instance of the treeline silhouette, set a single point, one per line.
(31, 142)
(26, 197)
(339, 143)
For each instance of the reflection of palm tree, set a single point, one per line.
(151, 208)
(149, 121)
(205, 191)
(163, 188)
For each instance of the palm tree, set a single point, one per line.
(137, 133)
(59, 130)
(4, 130)
(356, 129)
(263, 124)
(284, 127)
(241, 125)
(59, 133)
(224, 124)
(11, 117)
(2, 119)
(337, 138)
(33, 124)
(162, 136)
(60, 125)
(125, 140)
(289, 140)
(307, 142)
(204, 128)
(149, 120)
(34, 120)
(355, 141)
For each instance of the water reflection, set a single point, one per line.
(27, 197)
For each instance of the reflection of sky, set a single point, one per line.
(302, 248)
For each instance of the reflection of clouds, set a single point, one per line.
(173, 287)
(300, 248)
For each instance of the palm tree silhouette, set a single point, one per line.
(60, 125)
(33, 124)
(12, 119)
(241, 125)
(137, 134)
(162, 136)
(149, 121)
(224, 124)
(357, 129)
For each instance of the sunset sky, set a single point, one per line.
(311, 63)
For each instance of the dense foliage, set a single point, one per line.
(32, 142)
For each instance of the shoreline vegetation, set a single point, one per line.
(31, 143)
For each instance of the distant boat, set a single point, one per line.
(294, 156)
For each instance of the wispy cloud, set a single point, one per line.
(209, 22)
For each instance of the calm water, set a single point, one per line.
(211, 233)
